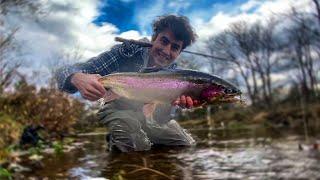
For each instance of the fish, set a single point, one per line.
(163, 86)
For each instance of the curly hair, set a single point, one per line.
(179, 25)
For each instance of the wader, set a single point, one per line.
(129, 130)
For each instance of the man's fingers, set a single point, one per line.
(189, 102)
(176, 102)
(99, 87)
(183, 101)
(97, 84)
(186, 102)
(95, 92)
(89, 96)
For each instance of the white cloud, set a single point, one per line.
(220, 22)
(250, 5)
(66, 28)
(178, 5)
(131, 35)
(263, 10)
(281, 6)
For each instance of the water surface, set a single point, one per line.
(220, 154)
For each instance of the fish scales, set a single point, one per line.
(161, 86)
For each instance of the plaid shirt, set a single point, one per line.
(125, 57)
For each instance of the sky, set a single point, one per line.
(74, 31)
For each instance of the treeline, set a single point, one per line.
(277, 57)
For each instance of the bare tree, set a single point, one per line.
(250, 48)
(224, 45)
(317, 6)
(7, 68)
(9, 48)
(265, 44)
(32, 7)
(302, 42)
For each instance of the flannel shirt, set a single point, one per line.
(125, 57)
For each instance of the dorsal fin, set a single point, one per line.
(152, 69)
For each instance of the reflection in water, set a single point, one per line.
(241, 153)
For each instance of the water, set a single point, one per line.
(220, 154)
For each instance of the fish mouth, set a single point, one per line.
(219, 95)
(226, 98)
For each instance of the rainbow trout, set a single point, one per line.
(163, 86)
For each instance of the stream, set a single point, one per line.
(252, 153)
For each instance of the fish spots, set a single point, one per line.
(211, 92)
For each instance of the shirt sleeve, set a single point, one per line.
(106, 63)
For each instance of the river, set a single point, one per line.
(250, 153)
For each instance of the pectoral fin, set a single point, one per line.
(109, 96)
(148, 109)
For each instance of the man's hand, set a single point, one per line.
(186, 102)
(90, 88)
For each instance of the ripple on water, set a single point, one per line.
(223, 158)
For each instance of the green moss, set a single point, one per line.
(119, 175)
(58, 147)
(5, 174)
(35, 150)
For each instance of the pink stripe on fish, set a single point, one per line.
(157, 83)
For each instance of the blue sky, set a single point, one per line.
(135, 15)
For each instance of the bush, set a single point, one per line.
(50, 108)
(10, 130)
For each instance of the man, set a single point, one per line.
(134, 126)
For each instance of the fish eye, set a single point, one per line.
(228, 91)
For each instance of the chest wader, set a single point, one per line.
(129, 130)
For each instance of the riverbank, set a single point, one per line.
(287, 116)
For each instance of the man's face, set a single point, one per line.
(165, 48)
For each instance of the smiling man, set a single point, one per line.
(129, 122)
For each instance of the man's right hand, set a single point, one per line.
(90, 88)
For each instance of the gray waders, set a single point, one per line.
(131, 131)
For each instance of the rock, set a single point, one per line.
(18, 168)
(36, 157)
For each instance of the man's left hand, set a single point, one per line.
(186, 102)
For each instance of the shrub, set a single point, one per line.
(55, 111)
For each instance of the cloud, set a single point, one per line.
(179, 5)
(65, 29)
(251, 4)
(131, 35)
(281, 6)
(251, 11)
